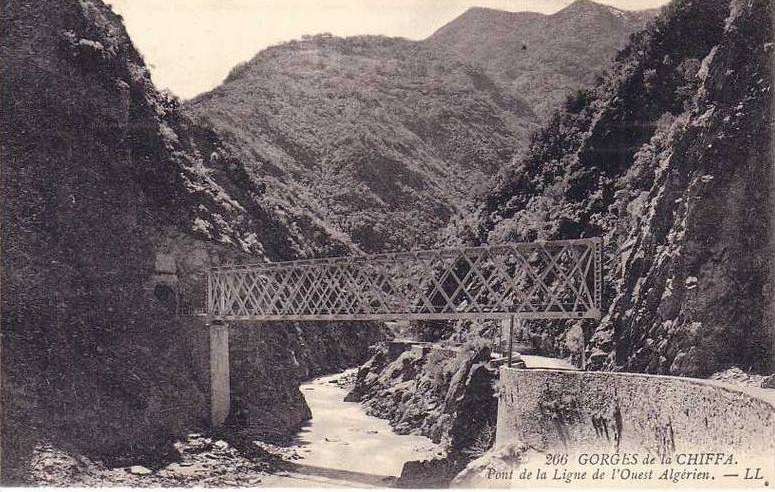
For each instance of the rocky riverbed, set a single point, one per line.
(340, 446)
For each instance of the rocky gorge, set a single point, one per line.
(118, 197)
(669, 159)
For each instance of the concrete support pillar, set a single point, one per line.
(220, 388)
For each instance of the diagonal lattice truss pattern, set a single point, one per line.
(543, 280)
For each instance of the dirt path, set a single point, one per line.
(343, 447)
(540, 362)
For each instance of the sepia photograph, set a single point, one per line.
(365, 244)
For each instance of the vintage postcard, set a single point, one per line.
(387, 243)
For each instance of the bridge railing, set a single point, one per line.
(541, 280)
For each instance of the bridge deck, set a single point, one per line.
(541, 280)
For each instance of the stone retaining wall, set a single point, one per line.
(618, 412)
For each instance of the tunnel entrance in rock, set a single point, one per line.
(166, 296)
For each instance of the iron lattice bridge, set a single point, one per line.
(542, 280)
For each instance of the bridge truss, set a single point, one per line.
(541, 280)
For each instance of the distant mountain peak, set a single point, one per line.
(480, 9)
(540, 57)
(585, 6)
(490, 14)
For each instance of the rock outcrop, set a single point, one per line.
(114, 204)
(447, 395)
(419, 389)
(669, 160)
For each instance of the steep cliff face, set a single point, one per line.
(448, 395)
(114, 204)
(669, 160)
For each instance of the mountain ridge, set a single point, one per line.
(386, 138)
(526, 55)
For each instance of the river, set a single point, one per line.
(341, 446)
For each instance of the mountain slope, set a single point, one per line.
(541, 57)
(387, 138)
(380, 136)
(669, 160)
(112, 197)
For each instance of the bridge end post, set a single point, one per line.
(511, 340)
(220, 388)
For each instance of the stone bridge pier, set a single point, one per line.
(220, 387)
(209, 348)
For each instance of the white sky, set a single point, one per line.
(190, 45)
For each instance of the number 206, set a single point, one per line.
(556, 459)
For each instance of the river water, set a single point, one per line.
(341, 446)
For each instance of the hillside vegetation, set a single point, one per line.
(540, 57)
(379, 136)
(387, 138)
